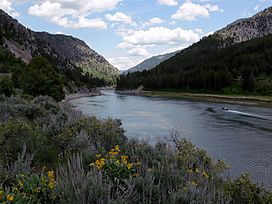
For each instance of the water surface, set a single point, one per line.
(241, 136)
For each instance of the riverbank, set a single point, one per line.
(83, 92)
(234, 99)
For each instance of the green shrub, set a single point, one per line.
(6, 87)
(243, 191)
(40, 78)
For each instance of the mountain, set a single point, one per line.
(66, 52)
(246, 29)
(232, 60)
(150, 63)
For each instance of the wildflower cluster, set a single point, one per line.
(51, 179)
(115, 165)
(196, 176)
(33, 188)
(6, 197)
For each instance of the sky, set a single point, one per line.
(126, 32)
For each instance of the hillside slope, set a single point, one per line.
(150, 63)
(246, 29)
(65, 52)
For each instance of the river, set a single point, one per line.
(241, 136)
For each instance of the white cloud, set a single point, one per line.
(82, 22)
(92, 23)
(50, 9)
(124, 63)
(73, 13)
(119, 17)
(138, 52)
(160, 36)
(6, 5)
(190, 11)
(153, 21)
(168, 2)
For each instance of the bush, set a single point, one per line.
(52, 131)
(40, 78)
(6, 87)
(242, 190)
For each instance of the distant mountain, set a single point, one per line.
(237, 57)
(65, 51)
(150, 63)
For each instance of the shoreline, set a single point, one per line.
(82, 93)
(233, 99)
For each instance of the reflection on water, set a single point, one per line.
(242, 136)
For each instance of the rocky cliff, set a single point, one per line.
(242, 30)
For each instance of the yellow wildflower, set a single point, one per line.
(51, 185)
(97, 163)
(36, 190)
(117, 162)
(124, 159)
(10, 198)
(51, 174)
(205, 174)
(117, 148)
(100, 163)
(113, 153)
(129, 166)
(194, 183)
(197, 171)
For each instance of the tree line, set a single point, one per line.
(211, 65)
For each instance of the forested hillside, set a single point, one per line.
(70, 56)
(150, 63)
(205, 66)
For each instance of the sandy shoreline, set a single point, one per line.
(243, 100)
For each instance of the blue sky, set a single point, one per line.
(126, 32)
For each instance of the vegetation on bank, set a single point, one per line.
(50, 153)
(43, 71)
(212, 65)
(40, 77)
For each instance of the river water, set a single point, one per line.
(241, 136)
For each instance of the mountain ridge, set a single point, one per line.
(150, 63)
(245, 29)
(67, 52)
